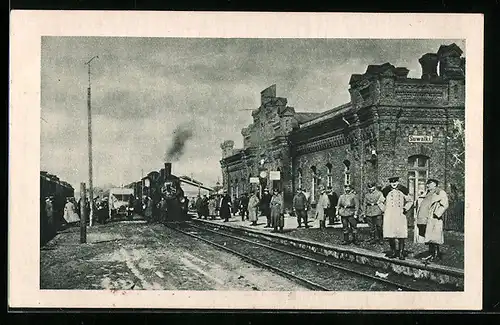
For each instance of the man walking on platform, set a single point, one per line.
(300, 206)
(347, 208)
(373, 209)
(331, 211)
(395, 224)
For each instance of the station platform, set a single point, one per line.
(328, 241)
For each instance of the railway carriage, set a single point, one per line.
(52, 186)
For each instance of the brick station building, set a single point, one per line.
(393, 125)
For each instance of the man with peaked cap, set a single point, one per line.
(347, 208)
(373, 207)
(225, 207)
(277, 211)
(265, 207)
(395, 224)
(430, 218)
(333, 198)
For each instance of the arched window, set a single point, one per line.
(314, 181)
(329, 177)
(299, 178)
(347, 172)
(236, 189)
(418, 172)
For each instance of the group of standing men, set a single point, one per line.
(386, 213)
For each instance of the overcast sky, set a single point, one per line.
(143, 88)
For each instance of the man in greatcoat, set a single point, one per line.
(430, 218)
(373, 210)
(300, 206)
(253, 207)
(348, 209)
(265, 209)
(395, 224)
(330, 212)
(225, 207)
(277, 211)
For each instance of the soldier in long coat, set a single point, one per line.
(225, 207)
(430, 218)
(395, 224)
(265, 201)
(253, 206)
(330, 212)
(321, 207)
(277, 211)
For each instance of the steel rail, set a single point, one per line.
(256, 262)
(338, 267)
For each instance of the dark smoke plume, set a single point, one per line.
(181, 135)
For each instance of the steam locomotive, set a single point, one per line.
(164, 184)
(52, 187)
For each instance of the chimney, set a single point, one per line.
(267, 95)
(429, 64)
(168, 170)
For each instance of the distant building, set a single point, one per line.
(393, 125)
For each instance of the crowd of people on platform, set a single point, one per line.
(385, 210)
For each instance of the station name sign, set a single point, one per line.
(254, 180)
(420, 138)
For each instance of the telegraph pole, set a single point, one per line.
(89, 110)
(83, 215)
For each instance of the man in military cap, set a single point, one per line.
(430, 218)
(300, 206)
(395, 224)
(347, 208)
(373, 207)
(265, 207)
(333, 198)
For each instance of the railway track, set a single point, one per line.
(309, 269)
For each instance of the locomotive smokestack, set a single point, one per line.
(168, 170)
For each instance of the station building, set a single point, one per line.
(393, 125)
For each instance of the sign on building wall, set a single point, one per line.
(274, 175)
(420, 138)
(254, 180)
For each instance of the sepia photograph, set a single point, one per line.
(257, 166)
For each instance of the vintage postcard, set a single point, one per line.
(231, 160)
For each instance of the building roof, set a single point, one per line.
(327, 114)
(303, 117)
